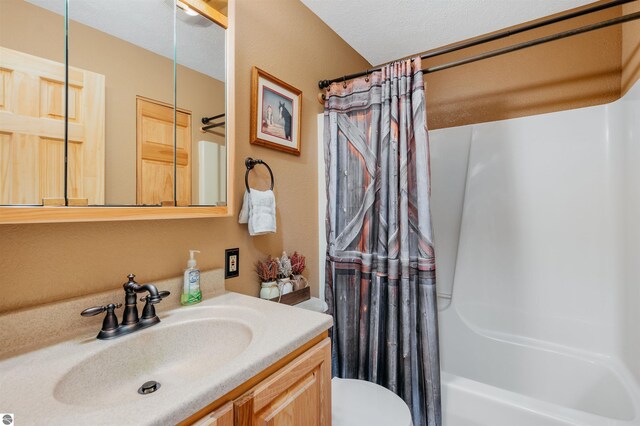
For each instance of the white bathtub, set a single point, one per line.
(537, 246)
(499, 381)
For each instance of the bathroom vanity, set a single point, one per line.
(298, 392)
(230, 360)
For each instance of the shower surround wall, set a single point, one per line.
(629, 127)
(538, 242)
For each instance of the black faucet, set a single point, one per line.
(131, 306)
(130, 320)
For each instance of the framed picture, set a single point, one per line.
(276, 109)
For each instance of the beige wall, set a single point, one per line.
(630, 48)
(40, 33)
(571, 73)
(129, 71)
(204, 97)
(48, 262)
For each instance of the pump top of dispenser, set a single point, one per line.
(191, 263)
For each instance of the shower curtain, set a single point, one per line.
(380, 284)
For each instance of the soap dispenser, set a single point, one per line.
(191, 292)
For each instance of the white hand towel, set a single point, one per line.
(259, 211)
(244, 211)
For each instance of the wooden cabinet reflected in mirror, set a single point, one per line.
(155, 153)
(141, 97)
(33, 133)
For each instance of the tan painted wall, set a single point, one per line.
(575, 72)
(630, 48)
(32, 29)
(43, 263)
(129, 71)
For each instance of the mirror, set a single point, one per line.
(200, 84)
(135, 131)
(121, 76)
(32, 82)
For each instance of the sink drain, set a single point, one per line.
(149, 387)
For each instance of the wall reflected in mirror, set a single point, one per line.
(201, 148)
(121, 62)
(121, 95)
(32, 78)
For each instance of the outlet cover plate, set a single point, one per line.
(231, 263)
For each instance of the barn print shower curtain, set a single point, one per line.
(381, 286)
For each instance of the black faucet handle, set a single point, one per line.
(149, 311)
(89, 312)
(110, 322)
(161, 295)
(95, 310)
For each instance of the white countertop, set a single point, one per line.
(29, 382)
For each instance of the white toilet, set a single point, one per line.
(358, 402)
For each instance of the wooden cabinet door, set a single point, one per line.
(223, 416)
(155, 174)
(32, 131)
(299, 394)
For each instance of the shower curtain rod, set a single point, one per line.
(322, 84)
(565, 34)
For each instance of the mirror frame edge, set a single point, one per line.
(44, 214)
(207, 11)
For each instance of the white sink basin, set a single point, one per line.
(175, 355)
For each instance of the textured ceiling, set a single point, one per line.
(384, 30)
(149, 24)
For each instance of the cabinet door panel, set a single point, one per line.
(223, 416)
(297, 406)
(298, 394)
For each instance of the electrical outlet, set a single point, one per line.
(232, 263)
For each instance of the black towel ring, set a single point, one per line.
(250, 163)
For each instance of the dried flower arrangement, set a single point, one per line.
(298, 263)
(267, 270)
(280, 276)
(284, 269)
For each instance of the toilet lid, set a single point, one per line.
(313, 304)
(361, 403)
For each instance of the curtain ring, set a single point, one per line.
(366, 78)
(344, 82)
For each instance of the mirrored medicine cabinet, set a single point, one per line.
(115, 110)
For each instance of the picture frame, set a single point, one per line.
(276, 111)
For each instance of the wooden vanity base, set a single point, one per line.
(295, 390)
